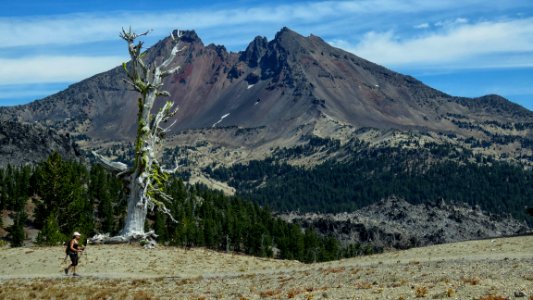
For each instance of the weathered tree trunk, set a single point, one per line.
(146, 179)
(135, 214)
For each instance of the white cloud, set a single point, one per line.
(461, 20)
(54, 68)
(463, 45)
(94, 27)
(422, 26)
(62, 30)
(457, 41)
(451, 23)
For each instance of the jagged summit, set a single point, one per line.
(255, 50)
(286, 30)
(287, 34)
(188, 36)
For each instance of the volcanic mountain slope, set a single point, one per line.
(29, 143)
(273, 94)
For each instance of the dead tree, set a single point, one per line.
(146, 179)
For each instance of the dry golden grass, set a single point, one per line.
(471, 281)
(454, 271)
(334, 270)
(421, 291)
(269, 293)
(492, 297)
(450, 293)
(292, 293)
(363, 285)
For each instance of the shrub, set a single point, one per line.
(421, 291)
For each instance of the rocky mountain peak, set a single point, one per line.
(189, 36)
(286, 33)
(255, 50)
(289, 41)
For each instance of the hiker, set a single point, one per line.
(73, 248)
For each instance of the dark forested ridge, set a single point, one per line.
(423, 174)
(58, 197)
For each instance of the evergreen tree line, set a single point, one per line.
(14, 192)
(62, 197)
(65, 196)
(369, 175)
(210, 219)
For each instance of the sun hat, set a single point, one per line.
(76, 234)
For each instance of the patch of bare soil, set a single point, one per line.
(487, 269)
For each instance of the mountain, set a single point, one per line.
(298, 101)
(283, 89)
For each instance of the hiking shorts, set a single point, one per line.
(74, 258)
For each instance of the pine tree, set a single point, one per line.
(160, 227)
(61, 186)
(50, 177)
(100, 191)
(50, 234)
(3, 196)
(16, 231)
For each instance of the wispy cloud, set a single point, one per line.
(38, 36)
(435, 34)
(450, 23)
(54, 68)
(81, 28)
(422, 26)
(463, 45)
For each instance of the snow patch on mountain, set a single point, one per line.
(221, 119)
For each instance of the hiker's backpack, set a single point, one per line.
(67, 246)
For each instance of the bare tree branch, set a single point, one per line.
(112, 166)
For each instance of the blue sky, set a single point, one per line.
(464, 48)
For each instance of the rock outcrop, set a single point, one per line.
(23, 143)
(395, 223)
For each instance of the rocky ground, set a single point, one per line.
(396, 223)
(485, 269)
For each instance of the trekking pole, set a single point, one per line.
(80, 254)
(85, 250)
(66, 253)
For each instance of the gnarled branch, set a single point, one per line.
(112, 166)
